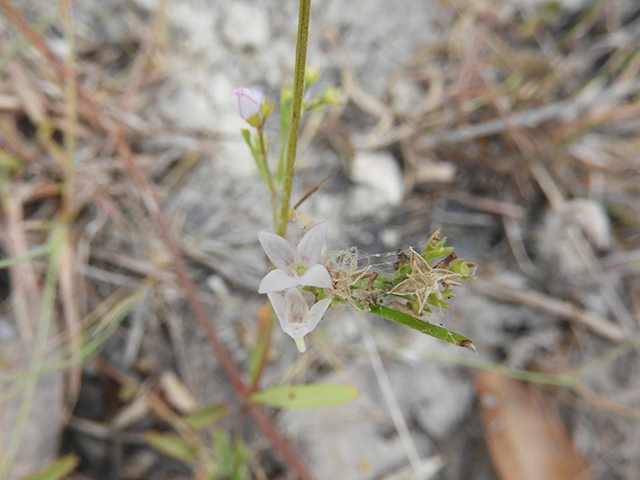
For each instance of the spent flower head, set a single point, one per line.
(294, 314)
(295, 266)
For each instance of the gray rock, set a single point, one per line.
(245, 26)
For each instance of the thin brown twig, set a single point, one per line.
(314, 189)
(67, 278)
(153, 206)
(553, 306)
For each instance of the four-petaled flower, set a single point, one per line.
(246, 102)
(295, 266)
(294, 314)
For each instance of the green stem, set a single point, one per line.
(273, 192)
(296, 110)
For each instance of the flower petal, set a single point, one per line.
(296, 330)
(281, 253)
(280, 306)
(311, 245)
(277, 280)
(316, 313)
(245, 102)
(298, 306)
(316, 276)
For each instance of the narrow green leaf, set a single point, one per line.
(56, 470)
(207, 416)
(257, 156)
(171, 446)
(306, 396)
(36, 252)
(423, 326)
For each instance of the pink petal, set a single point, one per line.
(311, 245)
(245, 102)
(316, 276)
(316, 313)
(277, 280)
(281, 253)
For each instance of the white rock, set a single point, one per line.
(405, 95)
(379, 183)
(245, 26)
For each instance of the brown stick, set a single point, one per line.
(539, 301)
(153, 205)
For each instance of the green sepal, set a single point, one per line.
(437, 250)
(460, 266)
(254, 120)
(266, 109)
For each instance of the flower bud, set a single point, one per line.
(311, 76)
(246, 102)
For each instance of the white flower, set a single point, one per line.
(295, 266)
(246, 102)
(294, 315)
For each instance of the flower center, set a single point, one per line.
(299, 268)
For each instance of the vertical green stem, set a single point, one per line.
(273, 192)
(296, 110)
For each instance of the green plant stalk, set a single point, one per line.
(273, 191)
(58, 240)
(296, 111)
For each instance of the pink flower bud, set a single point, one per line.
(246, 102)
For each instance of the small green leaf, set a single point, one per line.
(257, 156)
(207, 416)
(56, 470)
(423, 326)
(171, 446)
(306, 396)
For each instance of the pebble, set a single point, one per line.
(378, 181)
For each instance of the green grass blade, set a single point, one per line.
(56, 470)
